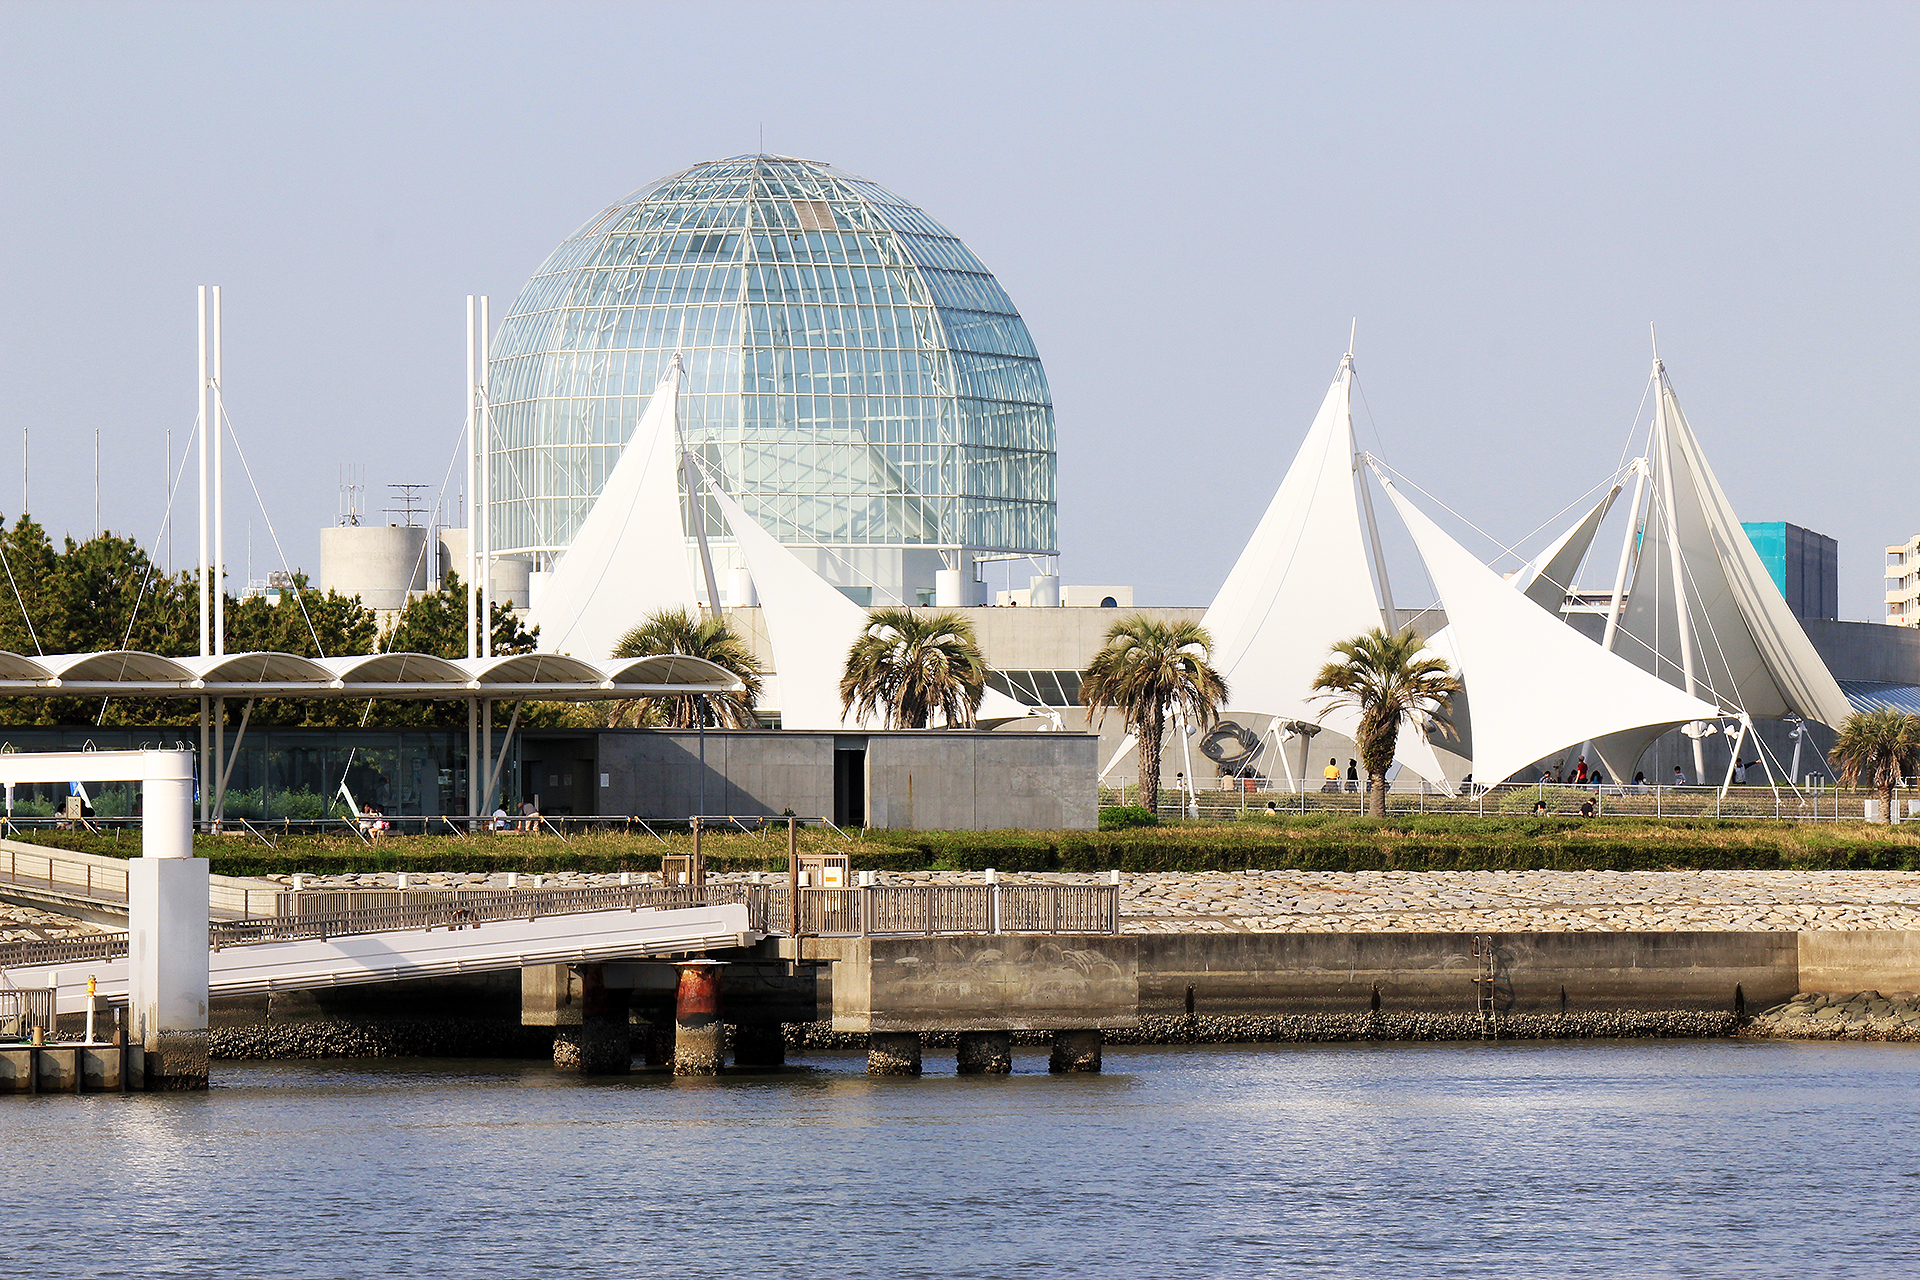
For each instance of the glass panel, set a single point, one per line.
(822, 320)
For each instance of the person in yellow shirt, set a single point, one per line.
(1332, 774)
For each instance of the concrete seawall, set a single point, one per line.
(1260, 974)
(1191, 988)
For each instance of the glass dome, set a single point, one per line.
(854, 373)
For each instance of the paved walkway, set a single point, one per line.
(1437, 901)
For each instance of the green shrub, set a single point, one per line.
(1123, 817)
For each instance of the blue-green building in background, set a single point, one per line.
(1805, 566)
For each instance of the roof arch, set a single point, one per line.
(668, 669)
(395, 668)
(115, 665)
(17, 666)
(258, 667)
(532, 668)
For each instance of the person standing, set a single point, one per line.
(1353, 775)
(1332, 774)
(1679, 778)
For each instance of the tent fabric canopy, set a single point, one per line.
(1537, 684)
(1304, 583)
(1548, 578)
(131, 673)
(812, 626)
(1747, 650)
(628, 559)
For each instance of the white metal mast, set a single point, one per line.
(1626, 551)
(483, 419)
(472, 576)
(217, 428)
(473, 495)
(206, 645)
(1683, 624)
(1388, 613)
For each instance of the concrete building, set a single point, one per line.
(1903, 584)
(1805, 566)
(906, 780)
(382, 564)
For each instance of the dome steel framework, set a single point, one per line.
(853, 373)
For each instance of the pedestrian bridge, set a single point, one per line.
(300, 953)
(442, 933)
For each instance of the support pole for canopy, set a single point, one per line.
(226, 772)
(1627, 549)
(493, 773)
(473, 759)
(1683, 623)
(1733, 760)
(691, 470)
(1120, 753)
(1280, 747)
(204, 774)
(1191, 803)
(1387, 610)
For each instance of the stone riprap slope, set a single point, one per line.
(31, 924)
(1858, 1015)
(1424, 901)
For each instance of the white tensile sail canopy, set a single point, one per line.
(1548, 577)
(1303, 583)
(1735, 640)
(811, 625)
(629, 558)
(1537, 684)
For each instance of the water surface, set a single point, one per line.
(1707, 1158)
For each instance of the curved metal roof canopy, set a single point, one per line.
(532, 676)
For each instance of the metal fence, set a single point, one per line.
(24, 1008)
(61, 871)
(871, 911)
(1806, 804)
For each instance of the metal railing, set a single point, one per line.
(1808, 804)
(910, 910)
(62, 871)
(456, 909)
(94, 946)
(24, 1008)
(872, 911)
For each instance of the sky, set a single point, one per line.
(1190, 204)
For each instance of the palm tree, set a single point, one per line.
(911, 666)
(676, 631)
(1881, 747)
(1392, 685)
(1145, 669)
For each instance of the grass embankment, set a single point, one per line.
(1313, 842)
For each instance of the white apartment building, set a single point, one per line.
(1903, 584)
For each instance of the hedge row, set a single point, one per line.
(1326, 842)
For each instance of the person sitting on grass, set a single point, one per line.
(1586, 808)
(1539, 807)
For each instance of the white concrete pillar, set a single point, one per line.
(742, 593)
(1046, 590)
(949, 589)
(167, 929)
